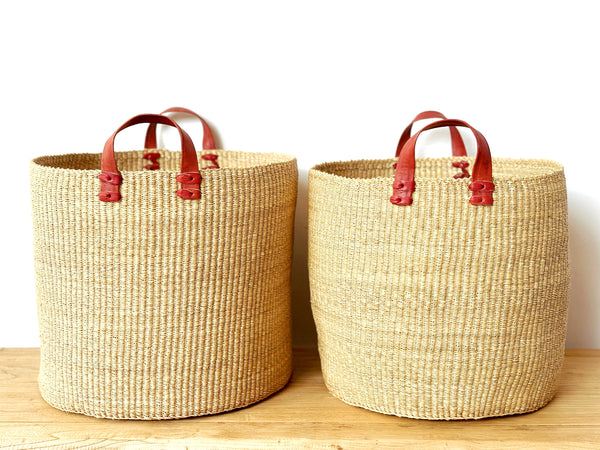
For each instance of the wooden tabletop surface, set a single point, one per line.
(303, 415)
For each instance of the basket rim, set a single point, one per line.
(551, 166)
(283, 159)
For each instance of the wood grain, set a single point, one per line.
(303, 415)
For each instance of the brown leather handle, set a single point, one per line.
(481, 186)
(458, 145)
(189, 178)
(208, 141)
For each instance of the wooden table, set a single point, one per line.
(303, 415)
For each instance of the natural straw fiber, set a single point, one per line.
(440, 309)
(155, 307)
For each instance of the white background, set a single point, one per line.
(321, 80)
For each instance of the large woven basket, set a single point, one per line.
(449, 303)
(162, 305)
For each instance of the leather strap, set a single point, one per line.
(481, 186)
(458, 145)
(208, 141)
(110, 178)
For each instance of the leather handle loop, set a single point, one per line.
(481, 185)
(458, 145)
(208, 141)
(110, 177)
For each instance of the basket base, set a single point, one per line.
(185, 416)
(447, 418)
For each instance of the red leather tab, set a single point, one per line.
(462, 165)
(109, 186)
(213, 158)
(402, 194)
(189, 178)
(153, 157)
(208, 141)
(188, 194)
(110, 178)
(482, 193)
(109, 196)
(481, 186)
(458, 145)
(190, 185)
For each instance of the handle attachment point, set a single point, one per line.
(111, 178)
(153, 158)
(402, 194)
(109, 186)
(188, 194)
(212, 158)
(482, 193)
(109, 196)
(189, 178)
(462, 165)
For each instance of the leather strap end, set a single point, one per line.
(462, 165)
(212, 158)
(188, 193)
(110, 178)
(190, 185)
(482, 193)
(153, 158)
(109, 196)
(402, 194)
(109, 186)
(401, 199)
(189, 178)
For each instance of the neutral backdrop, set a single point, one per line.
(322, 80)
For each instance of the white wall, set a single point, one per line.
(322, 80)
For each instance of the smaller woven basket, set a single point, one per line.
(163, 292)
(449, 299)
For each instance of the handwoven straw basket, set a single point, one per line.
(439, 309)
(156, 306)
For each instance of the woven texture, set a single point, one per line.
(155, 307)
(441, 309)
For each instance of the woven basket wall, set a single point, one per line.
(441, 309)
(155, 307)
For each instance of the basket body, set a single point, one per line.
(440, 309)
(155, 307)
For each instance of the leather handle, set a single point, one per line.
(208, 141)
(481, 185)
(189, 178)
(458, 145)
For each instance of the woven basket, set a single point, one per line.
(159, 305)
(446, 308)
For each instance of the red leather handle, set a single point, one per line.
(208, 141)
(189, 178)
(481, 186)
(458, 145)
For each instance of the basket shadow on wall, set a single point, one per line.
(584, 255)
(303, 326)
